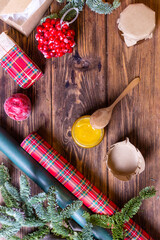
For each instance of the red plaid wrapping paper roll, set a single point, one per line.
(75, 182)
(17, 64)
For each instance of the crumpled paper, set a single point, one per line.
(21, 17)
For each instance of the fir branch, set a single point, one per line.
(25, 190)
(7, 231)
(52, 16)
(15, 238)
(37, 235)
(104, 221)
(147, 192)
(41, 212)
(33, 222)
(16, 214)
(12, 191)
(60, 1)
(117, 232)
(41, 197)
(60, 230)
(101, 7)
(116, 221)
(86, 233)
(4, 175)
(72, 4)
(52, 205)
(71, 209)
(7, 198)
(6, 220)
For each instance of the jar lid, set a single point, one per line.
(136, 22)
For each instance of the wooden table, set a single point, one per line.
(92, 77)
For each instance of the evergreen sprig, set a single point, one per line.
(98, 6)
(116, 221)
(24, 210)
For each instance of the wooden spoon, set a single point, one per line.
(100, 118)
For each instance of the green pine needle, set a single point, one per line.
(37, 235)
(71, 209)
(101, 7)
(116, 221)
(15, 238)
(87, 232)
(4, 175)
(12, 191)
(147, 192)
(24, 188)
(7, 198)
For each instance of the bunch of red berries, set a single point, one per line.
(55, 39)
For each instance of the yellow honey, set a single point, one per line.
(84, 134)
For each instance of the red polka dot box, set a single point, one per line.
(17, 64)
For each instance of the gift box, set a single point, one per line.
(76, 183)
(23, 15)
(17, 64)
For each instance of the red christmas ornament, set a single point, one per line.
(55, 38)
(18, 107)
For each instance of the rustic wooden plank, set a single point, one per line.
(136, 116)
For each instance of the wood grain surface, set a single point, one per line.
(92, 77)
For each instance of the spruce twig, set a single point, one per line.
(24, 210)
(117, 221)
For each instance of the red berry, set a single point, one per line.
(47, 34)
(58, 50)
(57, 42)
(70, 50)
(59, 33)
(60, 54)
(37, 36)
(67, 46)
(53, 21)
(65, 50)
(65, 25)
(40, 28)
(58, 26)
(72, 44)
(48, 20)
(66, 40)
(51, 46)
(62, 44)
(45, 48)
(71, 33)
(40, 47)
(57, 20)
(46, 24)
(47, 56)
(45, 42)
(52, 54)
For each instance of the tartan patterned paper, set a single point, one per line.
(75, 182)
(18, 65)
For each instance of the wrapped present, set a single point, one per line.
(23, 15)
(17, 64)
(75, 182)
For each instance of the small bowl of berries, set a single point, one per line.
(55, 38)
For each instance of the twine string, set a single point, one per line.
(65, 14)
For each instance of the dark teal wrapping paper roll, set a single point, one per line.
(44, 179)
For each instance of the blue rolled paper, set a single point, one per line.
(44, 179)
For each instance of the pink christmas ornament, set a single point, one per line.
(18, 107)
